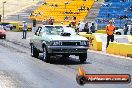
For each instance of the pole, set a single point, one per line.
(18, 17)
(3, 9)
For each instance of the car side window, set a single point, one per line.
(43, 30)
(36, 32)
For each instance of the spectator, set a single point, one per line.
(70, 24)
(11, 26)
(113, 20)
(62, 23)
(122, 0)
(125, 17)
(131, 29)
(70, 12)
(66, 18)
(51, 21)
(125, 29)
(56, 5)
(86, 28)
(44, 22)
(34, 25)
(44, 2)
(66, 12)
(31, 14)
(87, 9)
(76, 12)
(24, 30)
(52, 5)
(74, 22)
(78, 23)
(108, 15)
(40, 13)
(83, 7)
(131, 8)
(78, 27)
(92, 28)
(77, 30)
(81, 26)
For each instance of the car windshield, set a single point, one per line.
(57, 30)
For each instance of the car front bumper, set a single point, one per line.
(2, 35)
(67, 49)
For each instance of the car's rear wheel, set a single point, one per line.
(34, 51)
(118, 33)
(83, 57)
(46, 56)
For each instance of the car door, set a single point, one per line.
(37, 38)
(40, 39)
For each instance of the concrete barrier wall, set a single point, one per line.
(94, 41)
(101, 31)
(116, 48)
(129, 38)
(122, 49)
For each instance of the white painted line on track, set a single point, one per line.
(2, 85)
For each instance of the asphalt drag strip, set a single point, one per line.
(23, 71)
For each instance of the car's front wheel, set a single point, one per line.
(34, 51)
(83, 57)
(46, 56)
(65, 56)
(4, 36)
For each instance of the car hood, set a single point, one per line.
(71, 37)
(118, 30)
